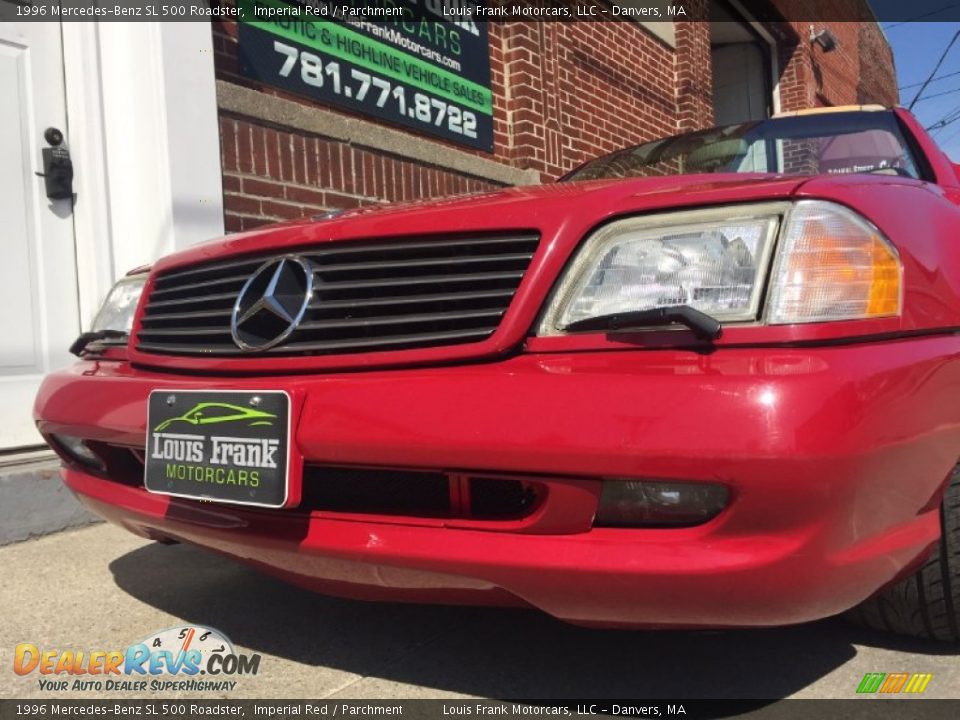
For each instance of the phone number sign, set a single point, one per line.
(418, 71)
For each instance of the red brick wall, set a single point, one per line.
(272, 174)
(582, 89)
(576, 90)
(859, 71)
(563, 92)
(877, 82)
(694, 75)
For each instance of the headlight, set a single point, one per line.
(831, 264)
(118, 309)
(712, 260)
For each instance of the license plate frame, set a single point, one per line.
(220, 446)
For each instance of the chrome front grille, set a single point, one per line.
(368, 296)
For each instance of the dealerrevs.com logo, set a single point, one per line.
(191, 658)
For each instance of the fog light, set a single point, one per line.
(76, 449)
(633, 503)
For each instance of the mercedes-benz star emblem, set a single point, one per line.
(272, 303)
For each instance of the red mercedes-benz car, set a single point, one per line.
(711, 380)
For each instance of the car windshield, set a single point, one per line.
(833, 143)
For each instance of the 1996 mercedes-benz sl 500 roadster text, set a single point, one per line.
(712, 380)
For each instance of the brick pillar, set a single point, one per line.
(798, 82)
(694, 71)
(523, 77)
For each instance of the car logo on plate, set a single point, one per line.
(272, 303)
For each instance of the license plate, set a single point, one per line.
(224, 446)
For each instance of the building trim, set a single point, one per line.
(233, 98)
(147, 174)
(776, 106)
(663, 30)
(93, 229)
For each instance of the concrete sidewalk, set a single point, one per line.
(33, 499)
(101, 588)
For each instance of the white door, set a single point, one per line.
(39, 312)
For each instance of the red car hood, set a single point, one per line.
(546, 208)
(562, 214)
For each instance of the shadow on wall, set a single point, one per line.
(484, 651)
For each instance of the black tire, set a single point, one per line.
(926, 604)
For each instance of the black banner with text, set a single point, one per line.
(396, 61)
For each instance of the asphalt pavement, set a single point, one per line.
(102, 588)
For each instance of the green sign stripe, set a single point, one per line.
(338, 31)
(485, 105)
(871, 682)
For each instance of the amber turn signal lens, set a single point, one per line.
(833, 265)
(885, 283)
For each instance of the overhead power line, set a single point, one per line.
(936, 79)
(920, 16)
(944, 143)
(939, 94)
(950, 117)
(935, 68)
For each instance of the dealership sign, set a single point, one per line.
(399, 62)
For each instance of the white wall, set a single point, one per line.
(143, 133)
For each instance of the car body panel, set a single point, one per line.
(545, 209)
(835, 439)
(899, 207)
(815, 445)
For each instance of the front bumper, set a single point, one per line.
(836, 460)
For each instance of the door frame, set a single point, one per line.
(764, 35)
(143, 132)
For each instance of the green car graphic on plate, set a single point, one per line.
(208, 413)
